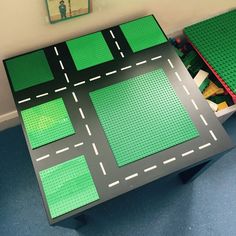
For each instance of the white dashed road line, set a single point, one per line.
(95, 78)
(112, 35)
(131, 176)
(186, 90)
(43, 157)
(80, 83)
(88, 130)
(170, 63)
(55, 49)
(111, 72)
(204, 146)
(156, 58)
(75, 97)
(62, 150)
(113, 184)
(81, 113)
(24, 100)
(141, 63)
(203, 119)
(95, 149)
(117, 45)
(41, 95)
(78, 145)
(178, 77)
(213, 135)
(150, 168)
(122, 54)
(169, 160)
(194, 104)
(126, 68)
(103, 169)
(61, 64)
(187, 153)
(67, 79)
(60, 89)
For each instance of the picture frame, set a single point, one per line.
(61, 10)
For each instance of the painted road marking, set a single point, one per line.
(88, 130)
(204, 146)
(103, 169)
(169, 160)
(24, 100)
(62, 150)
(113, 184)
(95, 78)
(95, 149)
(126, 68)
(81, 113)
(156, 58)
(150, 168)
(80, 83)
(187, 153)
(178, 77)
(131, 176)
(112, 35)
(112, 72)
(60, 89)
(171, 65)
(194, 104)
(55, 49)
(62, 66)
(43, 157)
(78, 145)
(213, 135)
(186, 90)
(140, 63)
(75, 97)
(203, 119)
(42, 95)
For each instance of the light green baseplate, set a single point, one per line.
(29, 70)
(89, 50)
(143, 33)
(47, 123)
(142, 116)
(68, 186)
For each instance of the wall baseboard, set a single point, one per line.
(9, 120)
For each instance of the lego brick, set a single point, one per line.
(68, 186)
(213, 105)
(201, 80)
(47, 122)
(141, 117)
(89, 50)
(222, 106)
(29, 70)
(210, 90)
(215, 39)
(143, 33)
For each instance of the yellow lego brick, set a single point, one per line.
(222, 106)
(220, 91)
(210, 90)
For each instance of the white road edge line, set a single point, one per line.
(194, 104)
(43, 157)
(67, 79)
(113, 184)
(81, 113)
(169, 160)
(204, 146)
(75, 97)
(62, 150)
(156, 58)
(117, 45)
(126, 68)
(112, 35)
(24, 100)
(103, 169)
(42, 95)
(178, 77)
(78, 145)
(186, 90)
(111, 72)
(187, 153)
(171, 65)
(131, 176)
(55, 49)
(95, 78)
(60, 89)
(213, 135)
(150, 168)
(80, 83)
(203, 119)
(62, 66)
(140, 63)
(88, 130)
(95, 149)
(122, 54)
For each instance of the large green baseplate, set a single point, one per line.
(142, 116)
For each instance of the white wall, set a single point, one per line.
(24, 26)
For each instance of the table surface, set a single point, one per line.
(108, 112)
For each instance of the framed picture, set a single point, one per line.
(59, 10)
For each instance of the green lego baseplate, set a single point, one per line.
(47, 122)
(89, 50)
(215, 39)
(29, 70)
(142, 116)
(68, 186)
(143, 33)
